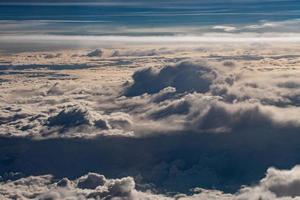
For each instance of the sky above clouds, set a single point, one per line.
(23, 21)
(89, 17)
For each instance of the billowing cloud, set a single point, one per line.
(95, 53)
(277, 185)
(90, 186)
(184, 77)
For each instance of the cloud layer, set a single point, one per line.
(167, 119)
(277, 185)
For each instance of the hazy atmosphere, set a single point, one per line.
(150, 100)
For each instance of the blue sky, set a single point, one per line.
(90, 15)
(32, 20)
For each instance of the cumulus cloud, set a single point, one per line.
(226, 117)
(80, 120)
(66, 120)
(277, 185)
(70, 116)
(95, 53)
(185, 77)
(76, 118)
(90, 186)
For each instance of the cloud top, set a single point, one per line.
(277, 185)
(184, 77)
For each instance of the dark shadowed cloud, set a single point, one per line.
(184, 77)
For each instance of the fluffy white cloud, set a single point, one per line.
(277, 185)
(90, 186)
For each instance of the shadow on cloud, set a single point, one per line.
(173, 162)
(184, 77)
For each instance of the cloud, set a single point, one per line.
(46, 66)
(184, 77)
(17, 43)
(79, 120)
(72, 116)
(225, 28)
(290, 25)
(76, 118)
(90, 186)
(135, 53)
(277, 185)
(221, 147)
(179, 107)
(67, 120)
(95, 53)
(212, 114)
(141, 52)
(185, 125)
(290, 85)
(91, 181)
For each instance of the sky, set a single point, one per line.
(35, 23)
(146, 17)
